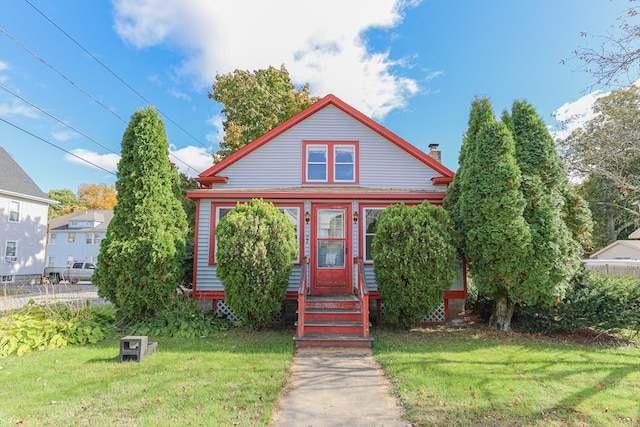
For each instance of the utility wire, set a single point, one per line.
(114, 74)
(57, 119)
(61, 74)
(56, 146)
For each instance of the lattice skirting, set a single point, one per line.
(223, 308)
(437, 316)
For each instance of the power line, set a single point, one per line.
(35, 55)
(114, 74)
(57, 119)
(60, 73)
(56, 146)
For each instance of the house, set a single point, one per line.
(76, 237)
(621, 249)
(23, 224)
(331, 170)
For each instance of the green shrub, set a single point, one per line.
(607, 303)
(413, 260)
(37, 327)
(182, 319)
(256, 248)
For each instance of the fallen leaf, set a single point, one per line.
(255, 416)
(598, 386)
(19, 421)
(581, 416)
(157, 400)
(198, 406)
(416, 404)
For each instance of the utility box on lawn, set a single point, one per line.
(135, 348)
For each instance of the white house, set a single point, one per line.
(76, 237)
(23, 224)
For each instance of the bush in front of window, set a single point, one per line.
(414, 261)
(257, 245)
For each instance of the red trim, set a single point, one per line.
(331, 145)
(324, 102)
(441, 180)
(246, 196)
(208, 294)
(348, 259)
(195, 248)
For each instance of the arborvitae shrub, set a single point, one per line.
(256, 247)
(414, 261)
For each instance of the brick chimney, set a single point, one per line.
(435, 153)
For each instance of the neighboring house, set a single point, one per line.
(621, 249)
(331, 170)
(620, 257)
(76, 237)
(23, 224)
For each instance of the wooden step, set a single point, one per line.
(333, 340)
(332, 301)
(334, 314)
(332, 327)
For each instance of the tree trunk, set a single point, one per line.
(502, 313)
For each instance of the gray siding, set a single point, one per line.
(382, 163)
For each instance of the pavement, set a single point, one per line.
(334, 387)
(17, 296)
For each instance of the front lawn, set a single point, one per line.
(231, 378)
(474, 377)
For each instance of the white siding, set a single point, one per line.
(30, 233)
(278, 163)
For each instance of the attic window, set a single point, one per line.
(330, 162)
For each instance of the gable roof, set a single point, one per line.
(101, 216)
(632, 245)
(635, 234)
(210, 175)
(14, 180)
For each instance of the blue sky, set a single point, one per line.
(414, 66)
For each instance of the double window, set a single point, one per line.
(93, 238)
(291, 212)
(331, 162)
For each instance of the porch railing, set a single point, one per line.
(302, 295)
(362, 291)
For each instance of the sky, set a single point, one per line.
(73, 72)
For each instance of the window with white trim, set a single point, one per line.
(53, 238)
(330, 162)
(51, 261)
(71, 238)
(14, 211)
(7, 279)
(91, 259)
(371, 216)
(10, 251)
(93, 238)
(291, 212)
(70, 260)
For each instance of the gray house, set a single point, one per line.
(23, 224)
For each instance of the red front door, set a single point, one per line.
(331, 240)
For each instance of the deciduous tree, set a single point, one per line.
(607, 149)
(98, 196)
(139, 266)
(68, 201)
(254, 103)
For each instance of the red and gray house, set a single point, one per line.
(331, 170)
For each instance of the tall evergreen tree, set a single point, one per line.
(140, 259)
(556, 250)
(481, 111)
(498, 240)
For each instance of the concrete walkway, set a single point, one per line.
(333, 387)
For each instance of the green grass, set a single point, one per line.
(231, 378)
(468, 377)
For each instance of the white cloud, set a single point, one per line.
(63, 135)
(16, 108)
(319, 42)
(190, 160)
(108, 162)
(175, 93)
(573, 115)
